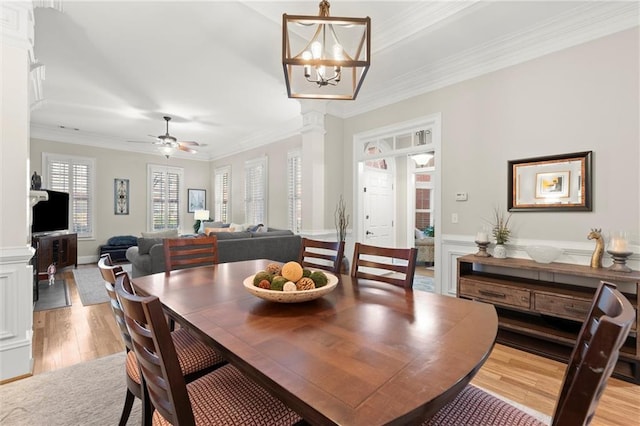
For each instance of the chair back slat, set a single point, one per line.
(156, 354)
(109, 272)
(388, 271)
(326, 255)
(182, 253)
(594, 356)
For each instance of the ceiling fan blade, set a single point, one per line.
(186, 149)
(192, 143)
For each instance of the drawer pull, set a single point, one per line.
(492, 294)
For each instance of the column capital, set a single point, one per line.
(17, 25)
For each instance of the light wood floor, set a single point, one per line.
(67, 336)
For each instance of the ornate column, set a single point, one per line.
(16, 278)
(313, 167)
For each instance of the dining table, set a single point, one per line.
(367, 353)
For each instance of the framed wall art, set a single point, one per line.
(551, 183)
(197, 199)
(121, 196)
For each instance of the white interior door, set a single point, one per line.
(378, 212)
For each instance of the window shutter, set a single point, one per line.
(165, 188)
(222, 201)
(294, 193)
(73, 175)
(255, 191)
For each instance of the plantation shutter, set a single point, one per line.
(165, 188)
(294, 193)
(73, 175)
(222, 195)
(255, 191)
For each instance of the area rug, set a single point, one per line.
(422, 283)
(90, 393)
(90, 285)
(52, 296)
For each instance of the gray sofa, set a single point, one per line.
(276, 244)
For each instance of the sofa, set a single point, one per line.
(276, 244)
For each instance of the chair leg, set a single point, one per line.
(126, 410)
(147, 408)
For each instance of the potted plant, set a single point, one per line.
(501, 232)
(342, 221)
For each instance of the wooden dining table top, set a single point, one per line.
(367, 353)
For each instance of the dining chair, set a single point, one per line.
(325, 255)
(222, 397)
(592, 361)
(195, 358)
(398, 266)
(182, 253)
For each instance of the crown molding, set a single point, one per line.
(589, 22)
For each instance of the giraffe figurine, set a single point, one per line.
(596, 257)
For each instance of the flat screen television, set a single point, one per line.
(51, 215)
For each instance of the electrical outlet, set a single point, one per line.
(454, 217)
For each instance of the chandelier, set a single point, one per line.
(325, 57)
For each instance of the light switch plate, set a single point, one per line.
(461, 196)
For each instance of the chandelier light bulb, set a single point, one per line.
(337, 52)
(316, 49)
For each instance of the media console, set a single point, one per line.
(541, 307)
(58, 248)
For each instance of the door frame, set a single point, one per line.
(433, 122)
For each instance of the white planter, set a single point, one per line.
(500, 251)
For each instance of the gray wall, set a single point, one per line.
(580, 99)
(111, 164)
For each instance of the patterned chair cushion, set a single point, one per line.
(227, 397)
(473, 406)
(193, 355)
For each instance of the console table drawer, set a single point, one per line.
(564, 307)
(498, 294)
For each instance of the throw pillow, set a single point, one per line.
(208, 231)
(145, 244)
(169, 233)
(419, 235)
(255, 228)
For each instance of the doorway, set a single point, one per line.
(397, 193)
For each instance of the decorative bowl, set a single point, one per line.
(543, 254)
(291, 296)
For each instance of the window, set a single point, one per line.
(294, 194)
(222, 195)
(255, 191)
(165, 186)
(75, 176)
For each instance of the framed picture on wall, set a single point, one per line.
(197, 199)
(120, 196)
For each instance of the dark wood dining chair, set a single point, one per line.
(325, 255)
(195, 358)
(222, 397)
(388, 270)
(592, 361)
(182, 253)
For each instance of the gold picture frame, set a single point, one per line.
(551, 183)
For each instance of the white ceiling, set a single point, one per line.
(113, 69)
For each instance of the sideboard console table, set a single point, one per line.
(541, 307)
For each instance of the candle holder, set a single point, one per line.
(620, 261)
(482, 249)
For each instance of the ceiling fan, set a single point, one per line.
(168, 143)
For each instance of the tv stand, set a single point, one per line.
(58, 248)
